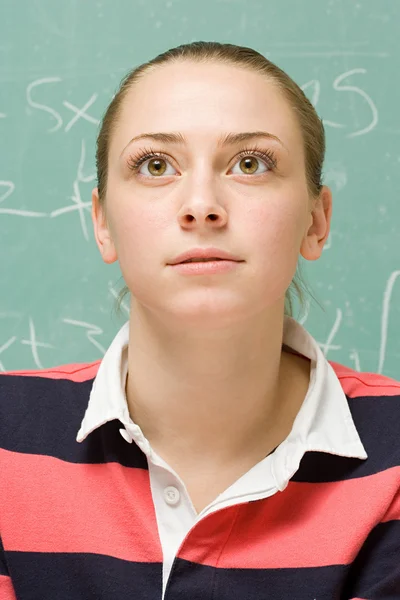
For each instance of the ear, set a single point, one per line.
(102, 233)
(318, 231)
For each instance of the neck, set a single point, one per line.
(210, 394)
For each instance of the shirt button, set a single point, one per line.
(171, 495)
(126, 435)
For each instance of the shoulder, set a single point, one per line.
(35, 401)
(21, 387)
(374, 403)
(34, 385)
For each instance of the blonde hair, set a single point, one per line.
(310, 124)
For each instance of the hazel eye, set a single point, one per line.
(249, 165)
(156, 167)
(249, 160)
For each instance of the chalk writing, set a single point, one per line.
(76, 197)
(337, 85)
(327, 346)
(10, 187)
(385, 317)
(44, 107)
(81, 112)
(91, 330)
(35, 344)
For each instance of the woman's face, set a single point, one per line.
(260, 211)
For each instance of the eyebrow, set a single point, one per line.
(227, 140)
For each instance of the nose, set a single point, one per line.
(202, 210)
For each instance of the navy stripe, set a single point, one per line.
(77, 576)
(89, 576)
(375, 574)
(43, 416)
(199, 582)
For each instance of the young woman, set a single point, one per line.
(213, 453)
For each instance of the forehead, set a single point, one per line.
(204, 100)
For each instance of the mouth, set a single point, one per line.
(206, 266)
(204, 255)
(189, 260)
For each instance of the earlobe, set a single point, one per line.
(101, 230)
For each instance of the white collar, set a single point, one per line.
(324, 422)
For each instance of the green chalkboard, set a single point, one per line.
(61, 63)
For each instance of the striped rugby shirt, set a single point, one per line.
(89, 511)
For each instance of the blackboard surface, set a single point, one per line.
(61, 63)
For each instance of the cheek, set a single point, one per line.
(139, 234)
(135, 214)
(139, 253)
(276, 231)
(274, 236)
(139, 224)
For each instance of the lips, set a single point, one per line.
(200, 254)
(200, 260)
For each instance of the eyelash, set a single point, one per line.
(135, 162)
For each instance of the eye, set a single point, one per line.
(157, 163)
(154, 162)
(156, 167)
(249, 158)
(248, 165)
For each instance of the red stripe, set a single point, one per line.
(6, 588)
(73, 372)
(357, 384)
(307, 525)
(49, 505)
